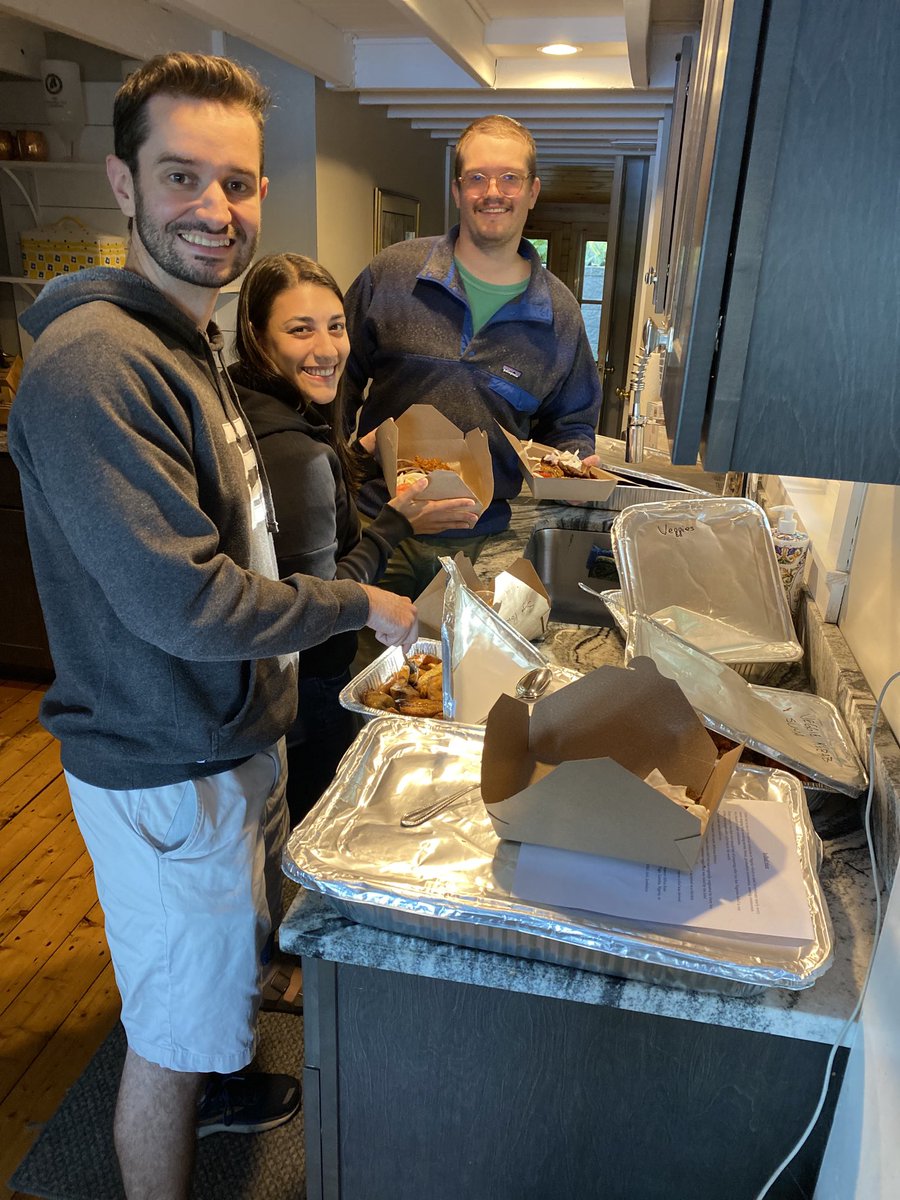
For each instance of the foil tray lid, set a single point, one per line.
(800, 730)
(455, 868)
(706, 569)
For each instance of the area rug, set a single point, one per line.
(74, 1159)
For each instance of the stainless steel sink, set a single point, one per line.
(563, 558)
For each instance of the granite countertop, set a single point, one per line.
(313, 928)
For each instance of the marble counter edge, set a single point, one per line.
(314, 929)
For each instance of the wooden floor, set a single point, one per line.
(58, 997)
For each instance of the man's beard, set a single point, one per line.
(161, 243)
(494, 237)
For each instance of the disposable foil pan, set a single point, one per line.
(706, 570)
(379, 671)
(803, 732)
(450, 880)
(638, 486)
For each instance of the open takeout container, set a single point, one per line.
(516, 594)
(570, 772)
(423, 431)
(705, 569)
(452, 881)
(566, 490)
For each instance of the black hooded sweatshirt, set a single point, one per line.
(318, 526)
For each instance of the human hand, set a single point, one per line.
(433, 516)
(391, 618)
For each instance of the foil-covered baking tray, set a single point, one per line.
(642, 487)
(383, 667)
(803, 732)
(450, 880)
(753, 672)
(706, 570)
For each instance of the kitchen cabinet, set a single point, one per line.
(23, 639)
(783, 350)
(484, 1075)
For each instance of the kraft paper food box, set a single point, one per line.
(569, 771)
(530, 617)
(425, 432)
(581, 490)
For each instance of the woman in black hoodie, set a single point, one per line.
(291, 346)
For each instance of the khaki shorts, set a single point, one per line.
(190, 883)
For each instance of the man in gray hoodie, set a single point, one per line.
(174, 642)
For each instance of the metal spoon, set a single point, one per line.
(534, 683)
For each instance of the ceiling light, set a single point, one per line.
(560, 48)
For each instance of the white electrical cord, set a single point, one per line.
(848, 1024)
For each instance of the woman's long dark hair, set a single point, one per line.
(263, 283)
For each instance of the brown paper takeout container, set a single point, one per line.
(425, 431)
(570, 772)
(430, 602)
(581, 490)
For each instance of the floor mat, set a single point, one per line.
(74, 1159)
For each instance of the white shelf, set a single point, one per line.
(26, 279)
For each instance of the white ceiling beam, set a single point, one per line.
(280, 27)
(541, 125)
(608, 96)
(405, 62)
(466, 113)
(129, 27)
(637, 34)
(454, 26)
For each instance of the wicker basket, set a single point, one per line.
(69, 245)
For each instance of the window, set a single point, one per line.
(593, 270)
(542, 245)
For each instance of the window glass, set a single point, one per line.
(593, 270)
(542, 245)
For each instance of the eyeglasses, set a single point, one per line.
(476, 183)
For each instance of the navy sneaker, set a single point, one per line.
(247, 1103)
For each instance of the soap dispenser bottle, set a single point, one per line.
(791, 546)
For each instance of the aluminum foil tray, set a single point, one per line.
(803, 732)
(391, 660)
(706, 570)
(450, 880)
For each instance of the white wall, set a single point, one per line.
(870, 618)
(360, 148)
(862, 1158)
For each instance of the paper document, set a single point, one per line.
(748, 880)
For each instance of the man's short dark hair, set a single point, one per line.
(498, 126)
(196, 76)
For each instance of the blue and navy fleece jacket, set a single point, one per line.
(530, 367)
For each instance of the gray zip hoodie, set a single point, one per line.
(146, 519)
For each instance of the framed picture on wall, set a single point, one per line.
(396, 218)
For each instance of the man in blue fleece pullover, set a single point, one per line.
(475, 325)
(174, 642)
